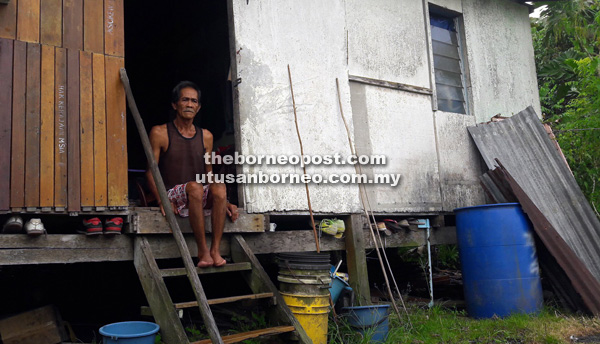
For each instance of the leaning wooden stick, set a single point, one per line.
(205, 311)
(312, 219)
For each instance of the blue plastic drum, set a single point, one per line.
(499, 261)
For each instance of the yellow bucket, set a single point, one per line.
(311, 311)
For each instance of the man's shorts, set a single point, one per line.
(178, 196)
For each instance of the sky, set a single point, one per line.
(536, 13)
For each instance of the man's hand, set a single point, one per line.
(162, 210)
(232, 211)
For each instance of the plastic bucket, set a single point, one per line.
(311, 312)
(304, 283)
(371, 321)
(499, 261)
(337, 285)
(129, 332)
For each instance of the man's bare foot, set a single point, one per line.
(218, 260)
(205, 261)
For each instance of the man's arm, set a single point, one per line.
(208, 147)
(158, 141)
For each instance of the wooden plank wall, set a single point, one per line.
(63, 143)
(47, 128)
(60, 128)
(6, 89)
(32, 126)
(17, 164)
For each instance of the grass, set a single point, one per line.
(440, 325)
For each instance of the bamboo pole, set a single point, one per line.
(312, 219)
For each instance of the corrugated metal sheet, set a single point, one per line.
(522, 145)
(582, 281)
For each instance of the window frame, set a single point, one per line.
(458, 21)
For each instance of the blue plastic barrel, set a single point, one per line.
(129, 332)
(499, 262)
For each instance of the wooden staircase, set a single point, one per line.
(165, 311)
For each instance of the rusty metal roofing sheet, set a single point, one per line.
(522, 145)
(581, 278)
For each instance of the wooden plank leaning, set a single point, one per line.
(207, 316)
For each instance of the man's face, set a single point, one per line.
(188, 104)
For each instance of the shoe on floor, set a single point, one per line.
(92, 226)
(113, 226)
(14, 225)
(35, 227)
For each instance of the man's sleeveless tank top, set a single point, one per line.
(183, 159)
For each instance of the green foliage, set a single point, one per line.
(196, 334)
(567, 44)
(447, 256)
(441, 325)
(246, 324)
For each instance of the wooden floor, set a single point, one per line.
(19, 249)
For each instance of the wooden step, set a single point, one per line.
(145, 310)
(182, 305)
(211, 270)
(238, 337)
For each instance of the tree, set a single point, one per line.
(567, 44)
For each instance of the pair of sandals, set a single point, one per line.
(14, 225)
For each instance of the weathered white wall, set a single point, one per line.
(452, 5)
(399, 126)
(459, 159)
(378, 39)
(310, 36)
(386, 41)
(500, 53)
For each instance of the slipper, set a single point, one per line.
(14, 225)
(35, 227)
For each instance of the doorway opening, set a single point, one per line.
(166, 43)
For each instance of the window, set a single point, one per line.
(447, 65)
